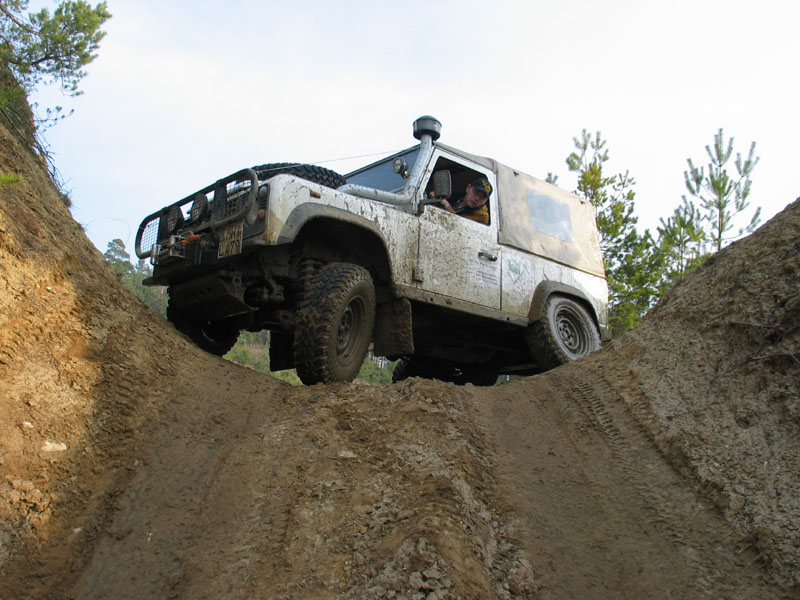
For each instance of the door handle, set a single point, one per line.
(487, 255)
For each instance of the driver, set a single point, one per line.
(472, 204)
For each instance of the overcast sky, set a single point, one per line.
(183, 93)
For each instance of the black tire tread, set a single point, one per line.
(543, 346)
(543, 340)
(313, 173)
(316, 320)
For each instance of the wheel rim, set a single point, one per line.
(572, 332)
(348, 336)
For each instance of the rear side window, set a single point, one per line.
(550, 216)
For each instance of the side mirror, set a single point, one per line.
(442, 186)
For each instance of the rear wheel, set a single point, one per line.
(334, 324)
(215, 337)
(482, 377)
(564, 333)
(460, 374)
(406, 367)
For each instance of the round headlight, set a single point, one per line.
(174, 217)
(199, 206)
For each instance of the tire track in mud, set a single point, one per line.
(606, 514)
(688, 521)
(164, 534)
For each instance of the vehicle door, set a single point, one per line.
(460, 258)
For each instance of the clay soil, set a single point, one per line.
(133, 465)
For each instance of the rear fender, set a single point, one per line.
(545, 289)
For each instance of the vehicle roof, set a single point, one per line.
(489, 163)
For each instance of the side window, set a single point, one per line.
(460, 176)
(550, 216)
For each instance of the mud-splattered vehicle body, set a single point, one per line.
(332, 264)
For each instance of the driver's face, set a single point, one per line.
(474, 198)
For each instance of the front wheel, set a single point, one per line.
(334, 324)
(565, 332)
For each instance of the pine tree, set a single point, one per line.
(632, 269)
(118, 257)
(40, 47)
(723, 197)
(682, 243)
(153, 296)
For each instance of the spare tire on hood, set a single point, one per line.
(313, 173)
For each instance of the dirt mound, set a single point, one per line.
(717, 365)
(133, 465)
(338, 491)
(711, 378)
(74, 351)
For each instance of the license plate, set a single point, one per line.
(231, 242)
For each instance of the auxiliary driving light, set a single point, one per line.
(199, 207)
(174, 218)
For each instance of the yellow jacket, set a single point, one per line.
(480, 214)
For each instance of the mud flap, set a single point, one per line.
(392, 334)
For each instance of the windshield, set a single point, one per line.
(381, 176)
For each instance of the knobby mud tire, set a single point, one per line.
(334, 324)
(313, 173)
(565, 332)
(214, 337)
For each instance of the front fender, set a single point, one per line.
(364, 242)
(310, 210)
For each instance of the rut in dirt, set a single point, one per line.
(683, 431)
(604, 515)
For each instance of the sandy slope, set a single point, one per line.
(135, 466)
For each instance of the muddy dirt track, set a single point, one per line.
(132, 465)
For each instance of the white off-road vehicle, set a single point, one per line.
(332, 264)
